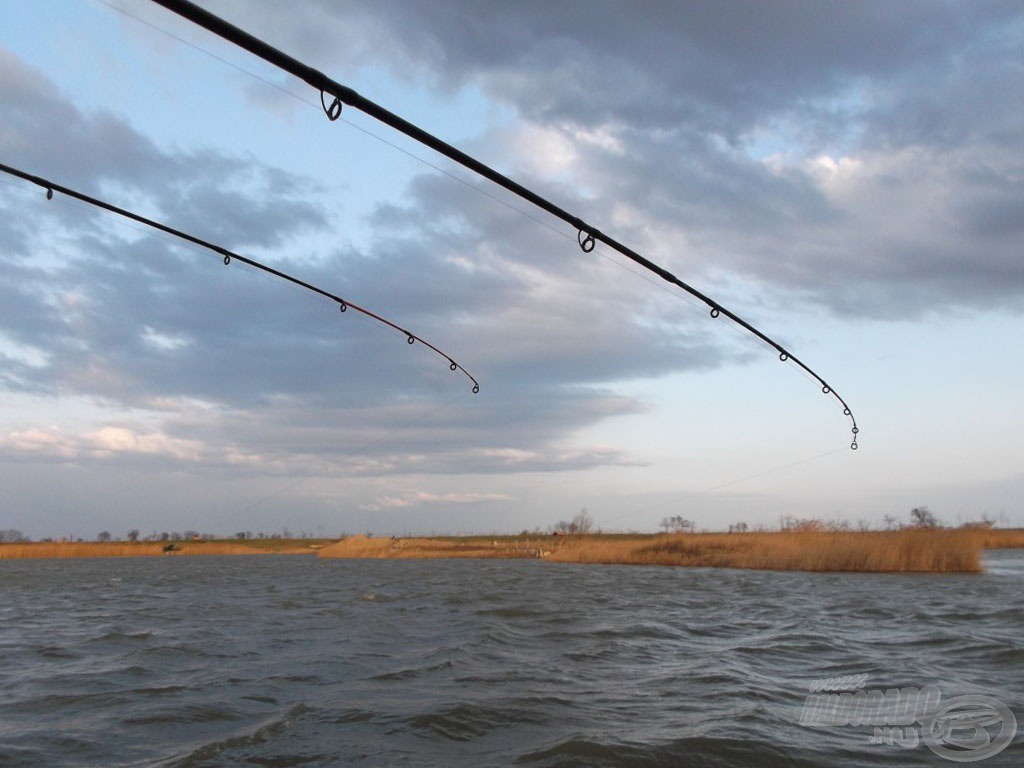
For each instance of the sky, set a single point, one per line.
(847, 177)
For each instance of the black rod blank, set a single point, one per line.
(587, 234)
(343, 304)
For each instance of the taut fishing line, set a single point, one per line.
(726, 484)
(228, 256)
(361, 129)
(351, 454)
(397, 147)
(334, 97)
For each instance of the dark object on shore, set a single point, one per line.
(170, 549)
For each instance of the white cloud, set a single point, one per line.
(858, 162)
(417, 498)
(108, 443)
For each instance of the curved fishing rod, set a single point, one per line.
(343, 304)
(587, 235)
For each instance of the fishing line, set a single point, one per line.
(228, 256)
(412, 155)
(660, 285)
(334, 97)
(348, 123)
(357, 451)
(728, 484)
(211, 54)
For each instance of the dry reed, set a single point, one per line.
(924, 551)
(906, 550)
(119, 549)
(999, 538)
(938, 551)
(417, 548)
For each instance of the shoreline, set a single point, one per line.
(218, 547)
(938, 550)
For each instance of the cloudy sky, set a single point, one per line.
(848, 177)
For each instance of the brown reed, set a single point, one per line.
(933, 551)
(907, 550)
(119, 549)
(421, 548)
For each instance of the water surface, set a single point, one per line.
(295, 661)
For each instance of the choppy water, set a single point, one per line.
(294, 661)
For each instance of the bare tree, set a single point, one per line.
(921, 517)
(678, 524)
(103, 536)
(581, 523)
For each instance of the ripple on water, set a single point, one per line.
(295, 661)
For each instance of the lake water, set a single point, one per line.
(295, 661)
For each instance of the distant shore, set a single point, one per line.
(901, 551)
(71, 549)
(940, 550)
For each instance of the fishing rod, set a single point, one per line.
(343, 304)
(587, 235)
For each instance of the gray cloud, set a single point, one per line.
(133, 319)
(862, 159)
(649, 64)
(927, 96)
(237, 201)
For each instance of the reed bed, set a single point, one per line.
(119, 549)
(1000, 538)
(918, 551)
(940, 550)
(421, 548)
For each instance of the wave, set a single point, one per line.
(696, 752)
(200, 756)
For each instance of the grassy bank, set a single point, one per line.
(902, 551)
(153, 549)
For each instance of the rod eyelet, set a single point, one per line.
(333, 111)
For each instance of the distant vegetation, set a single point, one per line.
(909, 550)
(898, 551)
(922, 544)
(580, 524)
(46, 549)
